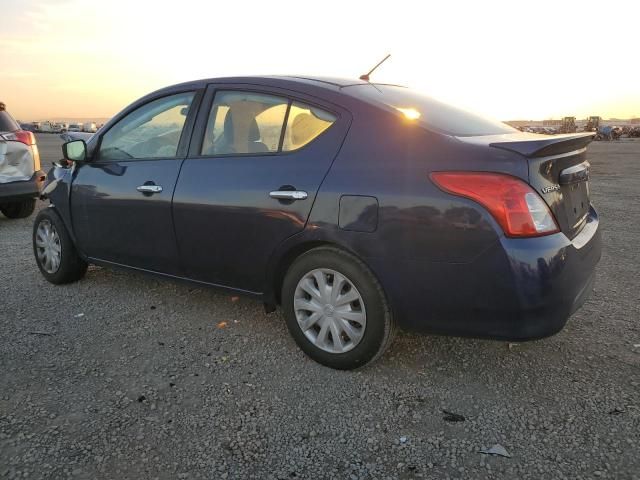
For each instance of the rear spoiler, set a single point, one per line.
(546, 146)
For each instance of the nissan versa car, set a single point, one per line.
(356, 206)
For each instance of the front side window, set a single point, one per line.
(253, 123)
(151, 131)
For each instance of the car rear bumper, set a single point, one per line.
(552, 278)
(22, 190)
(520, 289)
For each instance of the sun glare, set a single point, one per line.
(409, 113)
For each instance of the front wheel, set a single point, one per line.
(55, 253)
(336, 310)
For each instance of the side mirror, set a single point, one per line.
(76, 151)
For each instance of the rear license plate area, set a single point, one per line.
(576, 202)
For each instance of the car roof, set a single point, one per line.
(334, 84)
(333, 81)
(330, 89)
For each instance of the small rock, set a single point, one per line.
(452, 417)
(497, 449)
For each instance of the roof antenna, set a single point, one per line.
(365, 77)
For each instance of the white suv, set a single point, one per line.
(20, 176)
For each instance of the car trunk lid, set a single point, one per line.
(558, 171)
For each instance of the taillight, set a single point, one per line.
(513, 203)
(22, 136)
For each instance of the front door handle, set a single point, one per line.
(288, 194)
(149, 188)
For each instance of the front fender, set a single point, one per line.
(57, 189)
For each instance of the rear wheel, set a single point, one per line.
(18, 209)
(335, 309)
(55, 253)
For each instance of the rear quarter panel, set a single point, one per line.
(390, 159)
(424, 235)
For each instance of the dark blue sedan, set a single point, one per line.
(357, 207)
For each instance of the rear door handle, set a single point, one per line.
(288, 194)
(149, 188)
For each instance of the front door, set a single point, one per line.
(254, 168)
(121, 200)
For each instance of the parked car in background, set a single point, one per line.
(74, 127)
(20, 176)
(60, 127)
(355, 206)
(70, 136)
(89, 127)
(46, 127)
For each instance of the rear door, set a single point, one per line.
(256, 161)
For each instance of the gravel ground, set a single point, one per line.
(124, 376)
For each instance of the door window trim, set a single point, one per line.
(185, 135)
(197, 139)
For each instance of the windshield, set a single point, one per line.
(435, 115)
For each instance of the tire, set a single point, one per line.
(70, 267)
(21, 209)
(351, 278)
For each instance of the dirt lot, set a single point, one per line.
(123, 376)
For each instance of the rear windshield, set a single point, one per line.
(435, 115)
(7, 123)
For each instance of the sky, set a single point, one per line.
(531, 59)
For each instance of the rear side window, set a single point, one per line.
(435, 115)
(304, 124)
(242, 123)
(7, 123)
